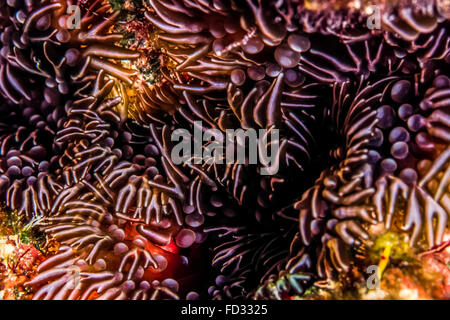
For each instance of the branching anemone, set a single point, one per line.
(392, 157)
(228, 76)
(44, 60)
(266, 71)
(377, 37)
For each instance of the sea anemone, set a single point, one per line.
(115, 219)
(47, 46)
(364, 134)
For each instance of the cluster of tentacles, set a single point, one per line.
(364, 122)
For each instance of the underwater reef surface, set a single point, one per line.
(94, 205)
